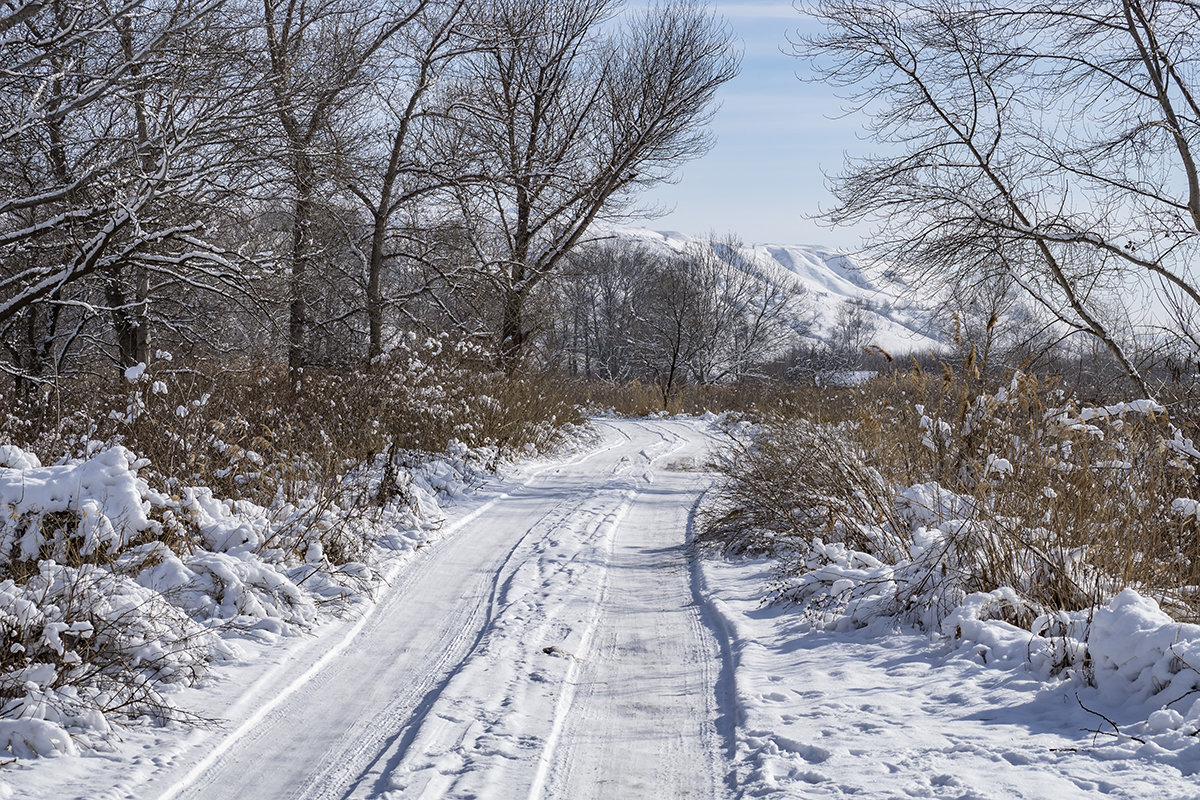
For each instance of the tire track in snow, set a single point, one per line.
(570, 513)
(643, 724)
(590, 536)
(566, 694)
(396, 747)
(399, 579)
(467, 749)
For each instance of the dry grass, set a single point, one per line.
(635, 399)
(1067, 506)
(248, 434)
(794, 480)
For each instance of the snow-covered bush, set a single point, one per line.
(83, 645)
(250, 505)
(932, 504)
(84, 510)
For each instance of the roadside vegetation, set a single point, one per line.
(144, 522)
(1026, 486)
(277, 281)
(1026, 526)
(1038, 167)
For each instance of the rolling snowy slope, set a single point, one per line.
(903, 317)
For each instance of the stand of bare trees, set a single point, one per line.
(1051, 147)
(308, 181)
(118, 131)
(703, 316)
(564, 114)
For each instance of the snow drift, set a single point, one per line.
(118, 591)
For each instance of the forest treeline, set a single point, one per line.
(307, 183)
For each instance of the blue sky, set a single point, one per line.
(775, 135)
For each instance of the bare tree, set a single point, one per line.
(853, 328)
(565, 113)
(670, 333)
(114, 126)
(703, 316)
(1053, 139)
(603, 288)
(392, 167)
(160, 159)
(746, 317)
(321, 58)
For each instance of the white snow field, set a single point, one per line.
(557, 640)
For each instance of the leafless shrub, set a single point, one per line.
(791, 480)
(83, 644)
(1017, 487)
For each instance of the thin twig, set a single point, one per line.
(1109, 721)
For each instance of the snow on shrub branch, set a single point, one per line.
(258, 510)
(1026, 530)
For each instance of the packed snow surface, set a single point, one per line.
(557, 638)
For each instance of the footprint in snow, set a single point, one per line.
(1017, 759)
(810, 753)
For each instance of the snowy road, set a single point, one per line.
(548, 645)
(555, 641)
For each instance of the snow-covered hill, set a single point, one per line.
(904, 319)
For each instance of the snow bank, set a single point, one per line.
(115, 591)
(1128, 653)
(1140, 652)
(1135, 656)
(881, 713)
(1128, 649)
(103, 494)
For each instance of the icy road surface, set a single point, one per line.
(556, 641)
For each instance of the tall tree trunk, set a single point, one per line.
(128, 318)
(375, 289)
(512, 331)
(298, 354)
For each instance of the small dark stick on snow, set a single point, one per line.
(1106, 719)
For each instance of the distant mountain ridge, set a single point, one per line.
(904, 319)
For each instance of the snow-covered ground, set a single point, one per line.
(556, 639)
(885, 713)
